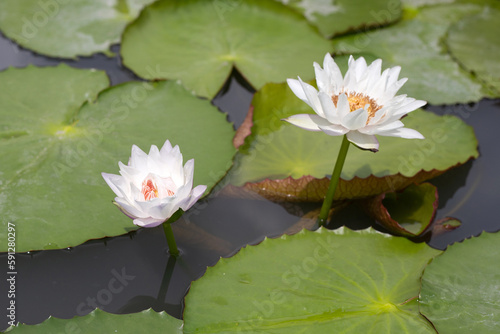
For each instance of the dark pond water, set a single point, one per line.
(133, 272)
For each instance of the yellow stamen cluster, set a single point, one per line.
(359, 101)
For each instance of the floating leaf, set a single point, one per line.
(316, 282)
(67, 29)
(408, 212)
(285, 162)
(444, 225)
(460, 292)
(475, 43)
(415, 45)
(199, 42)
(333, 17)
(52, 156)
(99, 321)
(420, 3)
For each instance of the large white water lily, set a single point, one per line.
(154, 186)
(361, 105)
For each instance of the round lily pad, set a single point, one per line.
(460, 292)
(416, 45)
(281, 161)
(53, 154)
(199, 42)
(334, 17)
(67, 29)
(338, 281)
(99, 321)
(475, 43)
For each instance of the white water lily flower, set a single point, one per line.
(152, 187)
(361, 105)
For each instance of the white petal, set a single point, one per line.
(336, 79)
(296, 88)
(173, 165)
(307, 121)
(148, 222)
(128, 172)
(188, 173)
(360, 68)
(329, 108)
(197, 192)
(393, 75)
(115, 182)
(350, 80)
(312, 97)
(355, 119)
(154, 153)
(405, 109)
(392, 89)
(164, 185)
(343, 107)
(322, 78)
(375, 129)
(367, 142)
(373, 72)
(165, 149)
(138, 159)
(128, 208)
(403, 133)
(378, 88)
(306, 93)
(379, 114)
(334, 130)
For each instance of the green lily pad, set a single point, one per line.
(475, 43)
(67, 29)
(415, 44)
(99, 321)
(53, 154)
(420, 3)
(338, 281)
(281, 161)
(199, 42)
(408, 213)
(334, 17)
(460, 291)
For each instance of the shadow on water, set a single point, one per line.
(133, 272)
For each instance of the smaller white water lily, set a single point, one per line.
(360, 105)
(154, 186)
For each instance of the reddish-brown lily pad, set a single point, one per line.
(408, 212)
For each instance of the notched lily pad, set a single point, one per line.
(199, 42)
(283, 162)
(475, 43)
(460, 291)
(99, 321)
(409, 212)
(334, 17)
(50, 177)
(67, 29)
(415, 44)
(326, 281)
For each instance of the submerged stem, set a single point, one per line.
(334, 181)
(172, 245)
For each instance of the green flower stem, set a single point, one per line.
(334, 181)
(167, 227)
(172, 245)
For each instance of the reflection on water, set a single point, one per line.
(133, 272)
